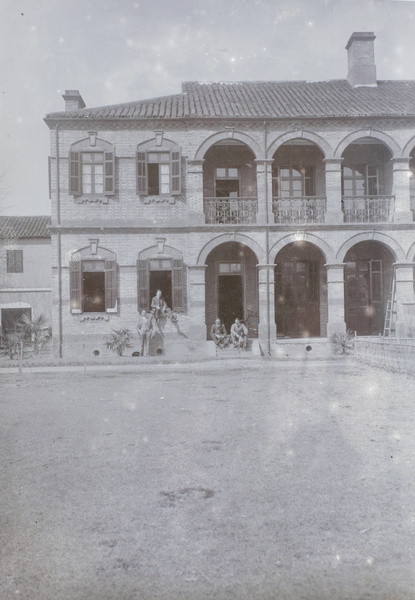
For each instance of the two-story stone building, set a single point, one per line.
(287, 204)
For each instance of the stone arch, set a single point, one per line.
(92, 252)
(386, 139)
(302, 236)
(408, 147)
(319, 141)
(154, 144)
(411, 253)
(229, 237)
(224, 135)
(371, 236)
(86, 144)
(154, 252)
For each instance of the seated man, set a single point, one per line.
(158, 305)
(219, 334)
(239, 334)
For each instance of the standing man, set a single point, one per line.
(145, 331)
(239, 334)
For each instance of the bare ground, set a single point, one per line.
(257, 480)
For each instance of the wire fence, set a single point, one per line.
(393, 354)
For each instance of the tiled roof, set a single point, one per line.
(264, 99)
(24, 227)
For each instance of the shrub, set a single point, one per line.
(343, 343)
(119, 340)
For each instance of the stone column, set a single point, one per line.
(405, 300)
(401, 190)
(196, 299)
(264, 191)
(266, 307)
(334, 213)
(194, 192)
(335, 299)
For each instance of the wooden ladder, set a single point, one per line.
(389, 327)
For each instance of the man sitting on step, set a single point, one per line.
(239, 334)
(219, 334)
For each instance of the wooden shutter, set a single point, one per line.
(75, 285)
(109, 170)
(75, 173)
(143, 285)
(110, 284)
(178, 286)
(142, 179)
(175, 184)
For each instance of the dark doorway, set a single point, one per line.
(297, 307)
(93, 291)
(368, 278)
(161, 280)
(230, 301)
(11, 316)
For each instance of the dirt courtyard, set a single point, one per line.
(253, 480)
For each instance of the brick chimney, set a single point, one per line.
(361, 59)
(73, 100)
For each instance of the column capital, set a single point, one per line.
(400, 163)
(335, 265)
(264, 160)
(404, 265)
(197, 267)
(267, 266)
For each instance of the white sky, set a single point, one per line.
(125, 50)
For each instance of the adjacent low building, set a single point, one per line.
(286, 204)
(25, 269)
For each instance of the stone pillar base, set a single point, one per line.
(196, 218)
(335, 327)
(403, 217)
(334, 217)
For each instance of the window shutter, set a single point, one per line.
(19, 261)
(178, 286)
(109, 169)
(142, 179)
(110, 284)
(75, 284)
(143, 285)
(175, 173)
(75, 173)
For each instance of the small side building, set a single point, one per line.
(25, 269)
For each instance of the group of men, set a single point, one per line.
(159, 310)
(238, 336)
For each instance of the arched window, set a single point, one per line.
(93, 280)
(92, 168)
(158, 168)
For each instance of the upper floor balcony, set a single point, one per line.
(368, 209)
(299, 211)
(230, 210)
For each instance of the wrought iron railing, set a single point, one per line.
(230, 211)
(368, 209)
(299, 210)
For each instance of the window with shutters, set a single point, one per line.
(91, 172)
(158, 171)
(15, 261)
(93, 286)
(165, 274)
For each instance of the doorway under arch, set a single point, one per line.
(368, 280)
(300, 291)
(232, 286)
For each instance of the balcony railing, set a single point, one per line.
(299, 210)
(368, 209)
(230, 211)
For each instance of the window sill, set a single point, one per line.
(158, 200)
(92, 199)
